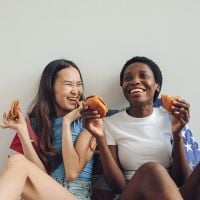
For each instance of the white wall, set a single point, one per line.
(99, 36)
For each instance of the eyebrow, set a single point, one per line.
(144, 71)
(140, 71)
(66, 81)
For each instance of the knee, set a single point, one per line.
(151, 168)
(17, 159)
(147, 173)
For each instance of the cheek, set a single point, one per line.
(80, 91)
(59, 94)
(124, 88)
(124, 85)
(125, 92)
(60, 91)
(57, 98)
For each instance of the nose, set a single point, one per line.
(74, 89)
(135, 80)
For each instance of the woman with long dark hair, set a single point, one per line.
(64, 149)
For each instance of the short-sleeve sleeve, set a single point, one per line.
(109, 133)
(16, 143)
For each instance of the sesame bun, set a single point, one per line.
(14, 111)
(96, 103)
(167, 101)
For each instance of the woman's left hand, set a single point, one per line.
(180, 115)
(74, 114)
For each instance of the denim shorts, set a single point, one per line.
(80, 189)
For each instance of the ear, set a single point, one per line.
(157, 87)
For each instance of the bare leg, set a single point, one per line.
(152, 182)
(23, 177)
(191, 188)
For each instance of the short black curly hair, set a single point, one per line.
(152, 65)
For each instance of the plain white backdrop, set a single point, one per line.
(99, 36)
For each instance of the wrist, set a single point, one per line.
(177, 137)
(22, 130)
(23, 133)
(66, 122)
(177, 133)
(101, 140)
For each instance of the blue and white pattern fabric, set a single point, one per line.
(191, 146)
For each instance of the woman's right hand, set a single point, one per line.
(19, 125)
(93, 122)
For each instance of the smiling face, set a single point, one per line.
(68, 89)
(139, 84)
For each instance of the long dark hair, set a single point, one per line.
(42, 111)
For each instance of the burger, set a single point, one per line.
(96, 103)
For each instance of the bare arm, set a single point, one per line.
(75, 157)
(109, 156)
(180, 169)
(21, 127)
(111, 166)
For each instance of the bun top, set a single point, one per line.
(96, 103)
(14, 111)
(167, 101)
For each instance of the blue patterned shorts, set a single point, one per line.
(80, 189)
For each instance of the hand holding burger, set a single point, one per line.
(167, 101)
(13, 114)
(96, 103)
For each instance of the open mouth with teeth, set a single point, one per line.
(136, 91)
(73, 100)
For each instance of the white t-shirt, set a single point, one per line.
(140, 140)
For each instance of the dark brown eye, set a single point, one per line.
(79, 84)
(127, 78)
(144, 75)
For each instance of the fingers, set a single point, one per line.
(3, 126)
(90, 114)
(182, 105)
(181, 110)
(4, 121)
(9, 123)
(20, 114)
(79, 105)
(5, 118)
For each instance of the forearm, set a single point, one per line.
(180, 169)
(112, 173)
(72, 162)
(29, 151)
